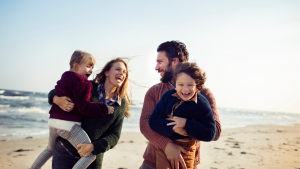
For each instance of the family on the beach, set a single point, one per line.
(86, 117)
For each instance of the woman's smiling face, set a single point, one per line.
(185, 86)
(117, 74)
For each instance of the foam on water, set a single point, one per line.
(31, 110)
(24, 114)
(14, 97)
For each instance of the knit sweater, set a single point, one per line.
(152, 97)
(78, 89)
(200, 122)
(104, 132)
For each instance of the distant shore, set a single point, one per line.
(259, 146)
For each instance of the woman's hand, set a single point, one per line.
(85, 150)
(179, 122)
(64, 103)
(110, 110)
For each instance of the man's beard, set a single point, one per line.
(168, 74)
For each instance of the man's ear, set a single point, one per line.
(175, 62)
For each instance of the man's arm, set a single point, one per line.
(149, 104)
(211, 99)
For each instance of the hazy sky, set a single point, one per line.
(249, 49)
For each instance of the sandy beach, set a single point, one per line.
(259, 147)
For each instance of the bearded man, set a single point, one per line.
(169, 54)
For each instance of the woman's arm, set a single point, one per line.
(111, 139)
(107, 142)
(63, 102)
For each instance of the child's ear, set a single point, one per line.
(75, 66)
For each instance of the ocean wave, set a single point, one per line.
(7, 118)
(5, 105)
(2, 91)
(31, 110)
(3, 111)
(14, 97)
(41, 99)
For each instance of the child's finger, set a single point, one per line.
(172, 123)
(176, 126)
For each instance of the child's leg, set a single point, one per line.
(78, 136)
(47, 153)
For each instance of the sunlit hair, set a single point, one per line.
(78, 57)
(123, 92)
(192, 70)
(174, 49)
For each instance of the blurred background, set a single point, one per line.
(250, 51)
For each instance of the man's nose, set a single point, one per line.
(156, 67)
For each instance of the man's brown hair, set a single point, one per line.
(174, 49)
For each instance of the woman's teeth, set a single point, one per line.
(119, 79)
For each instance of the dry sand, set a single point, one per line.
(252, 147)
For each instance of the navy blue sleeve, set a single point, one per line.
(157, 120)
(202, 127)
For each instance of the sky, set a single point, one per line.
(250, 50)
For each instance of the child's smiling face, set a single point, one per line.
(85, 69)
(185, 86)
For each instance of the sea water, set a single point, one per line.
(25, 114)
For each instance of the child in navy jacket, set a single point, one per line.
(183, 114)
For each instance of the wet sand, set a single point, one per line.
(259, 147)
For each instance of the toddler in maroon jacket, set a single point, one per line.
(75, 85)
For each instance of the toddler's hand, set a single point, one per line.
(110, 109)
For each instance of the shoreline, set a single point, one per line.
(257, 146)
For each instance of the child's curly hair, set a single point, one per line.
(192, 70)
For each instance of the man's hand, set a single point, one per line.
(64, 103)
(173, 153)
(85, 150)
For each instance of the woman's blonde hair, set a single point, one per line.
(123, 92)
(79, 57)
